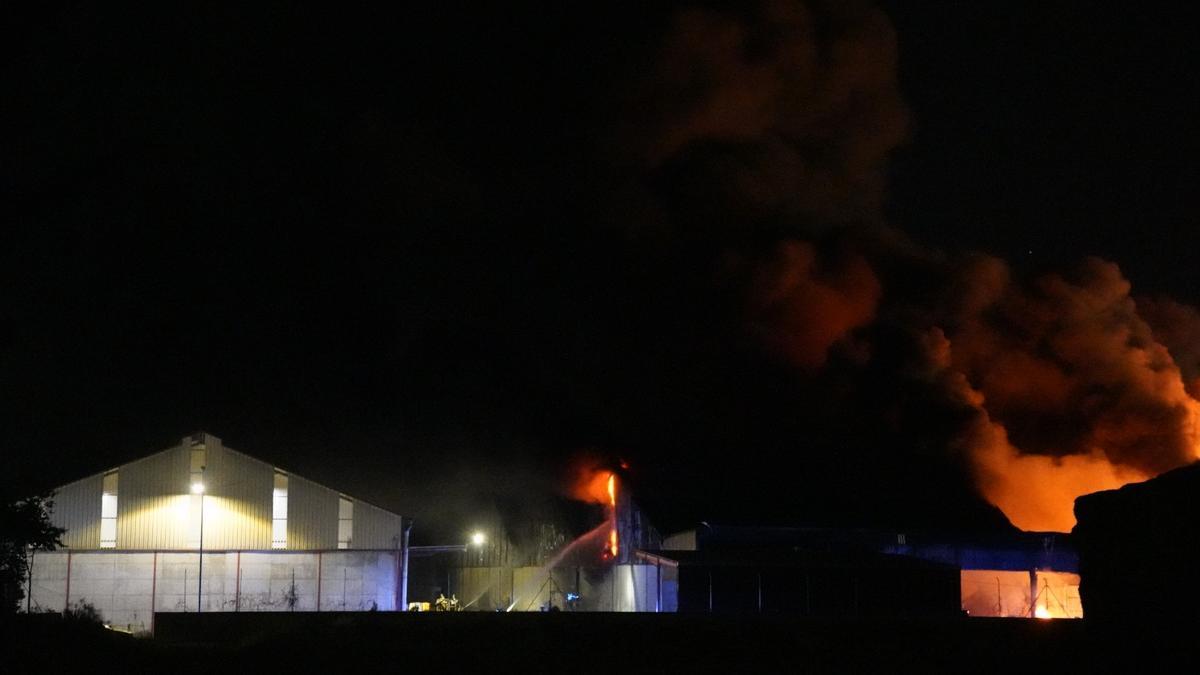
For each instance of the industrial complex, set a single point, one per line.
(200, 527)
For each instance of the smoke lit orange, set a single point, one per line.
(1072, 390)
(592, 484)
(599, 486)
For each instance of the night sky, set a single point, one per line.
(405, 252)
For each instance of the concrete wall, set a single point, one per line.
(125, 585)
(156, 509)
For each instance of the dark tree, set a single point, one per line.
(24, 527)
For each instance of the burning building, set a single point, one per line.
(623, 564)
(200, 527)
(820, 571)
(602, 569)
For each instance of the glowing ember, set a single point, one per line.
(1042, 613)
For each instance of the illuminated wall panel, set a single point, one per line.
(158, 510)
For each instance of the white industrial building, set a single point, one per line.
(203, 527)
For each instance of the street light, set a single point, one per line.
(477, 539)
(198, 489)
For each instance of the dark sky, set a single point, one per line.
(378, 247)
(1061, 128)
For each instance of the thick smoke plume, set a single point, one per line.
(765, 131)
(800, 305)
(1069, 367)
(1072, 393)
(788, 109)
(1177, 327)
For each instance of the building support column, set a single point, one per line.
(658, 583)
(29, 580)
(237, 588)
(404, 570)
(153, 590)
(67, 600)
(399, 572)
(1033, 593)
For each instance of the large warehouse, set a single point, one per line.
(203, 527)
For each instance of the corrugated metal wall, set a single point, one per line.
(77, 508)
(374, 527)
(156, 509)
(312, 515)
(237, 501)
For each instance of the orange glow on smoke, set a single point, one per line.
(801, 305)
(1113, 401)
(594, 485)
(1038, 493)
(599, 486)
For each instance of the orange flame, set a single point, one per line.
(599, 486)
(612, 502)
(592, 484)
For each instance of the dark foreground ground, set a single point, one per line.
(567, 643)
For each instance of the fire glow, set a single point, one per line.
(599, 486)
(612, 505)
(1068, 387)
